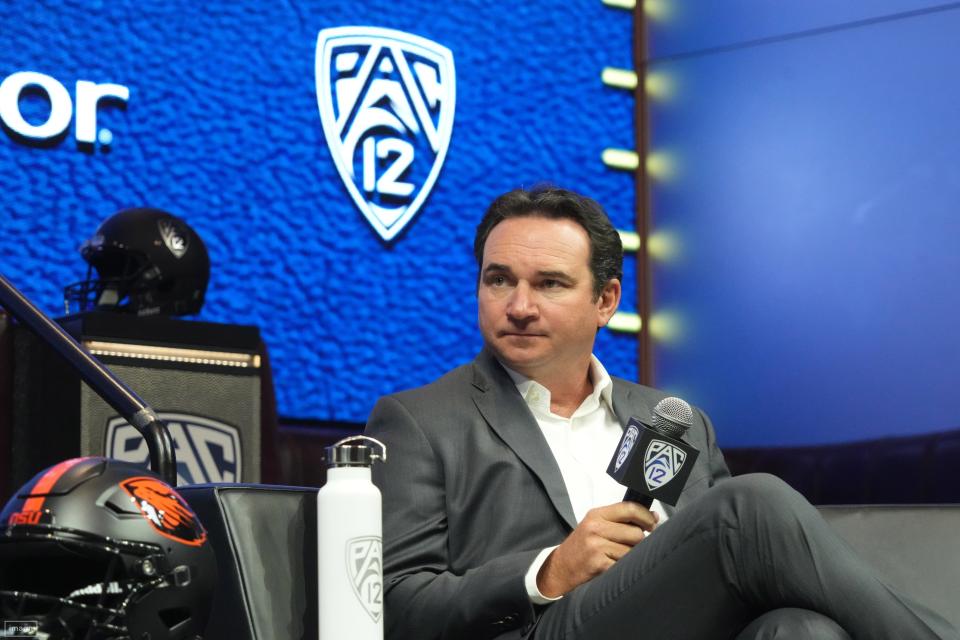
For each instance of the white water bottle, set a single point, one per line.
(350, 551)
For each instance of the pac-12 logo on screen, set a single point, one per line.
(386, 103)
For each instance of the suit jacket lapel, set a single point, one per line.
(626, 403)
(503, 408)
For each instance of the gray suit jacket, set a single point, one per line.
(471, 494)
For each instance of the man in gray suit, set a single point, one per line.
(499, 520)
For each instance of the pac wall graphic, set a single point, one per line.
(212, 111)
(207, 450)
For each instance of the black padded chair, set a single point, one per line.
(265, 539)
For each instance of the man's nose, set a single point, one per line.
(522, 305)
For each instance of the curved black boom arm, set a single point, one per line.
(114, 392)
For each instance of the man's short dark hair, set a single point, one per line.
(606, 250)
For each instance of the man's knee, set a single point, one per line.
(793, 624)
(763, 486)
(762, 491)
(758, 502)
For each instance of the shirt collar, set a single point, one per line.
(538, 396)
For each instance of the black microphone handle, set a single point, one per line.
(127, 403)
(632, 495)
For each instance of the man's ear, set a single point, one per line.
(608, 301)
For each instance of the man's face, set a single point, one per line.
(536, 306)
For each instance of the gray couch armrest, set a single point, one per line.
(915, 548)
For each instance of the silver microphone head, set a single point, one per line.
(672, 417)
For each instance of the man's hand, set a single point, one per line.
(604, 536)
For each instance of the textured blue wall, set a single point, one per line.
(222, 128)
(815, 206)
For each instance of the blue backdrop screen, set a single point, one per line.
(814, 203)
(222, 127)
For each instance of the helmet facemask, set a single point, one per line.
(96, 549)
(121, 279)
(148, 262)
(74, 586)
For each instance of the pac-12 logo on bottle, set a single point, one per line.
(386, 102)
(365, 568)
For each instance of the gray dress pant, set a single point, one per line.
(750, 559)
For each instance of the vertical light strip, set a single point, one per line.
(643, 200)
(630, 160)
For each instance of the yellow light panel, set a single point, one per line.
(619, 78)
(625, 322)
(629, 239)
(623, 159)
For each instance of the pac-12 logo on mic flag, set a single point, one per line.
(386, 102)
(629, 439)
(661, 462)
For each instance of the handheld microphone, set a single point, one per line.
(661, 469)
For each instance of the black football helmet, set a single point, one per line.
(148, 262)
(94, 548)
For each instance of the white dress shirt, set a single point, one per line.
(582, 446)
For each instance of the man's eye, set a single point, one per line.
(551, 284)
(497, 281)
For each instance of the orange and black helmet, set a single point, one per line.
(97, 548)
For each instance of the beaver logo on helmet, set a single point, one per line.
(165, 510)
